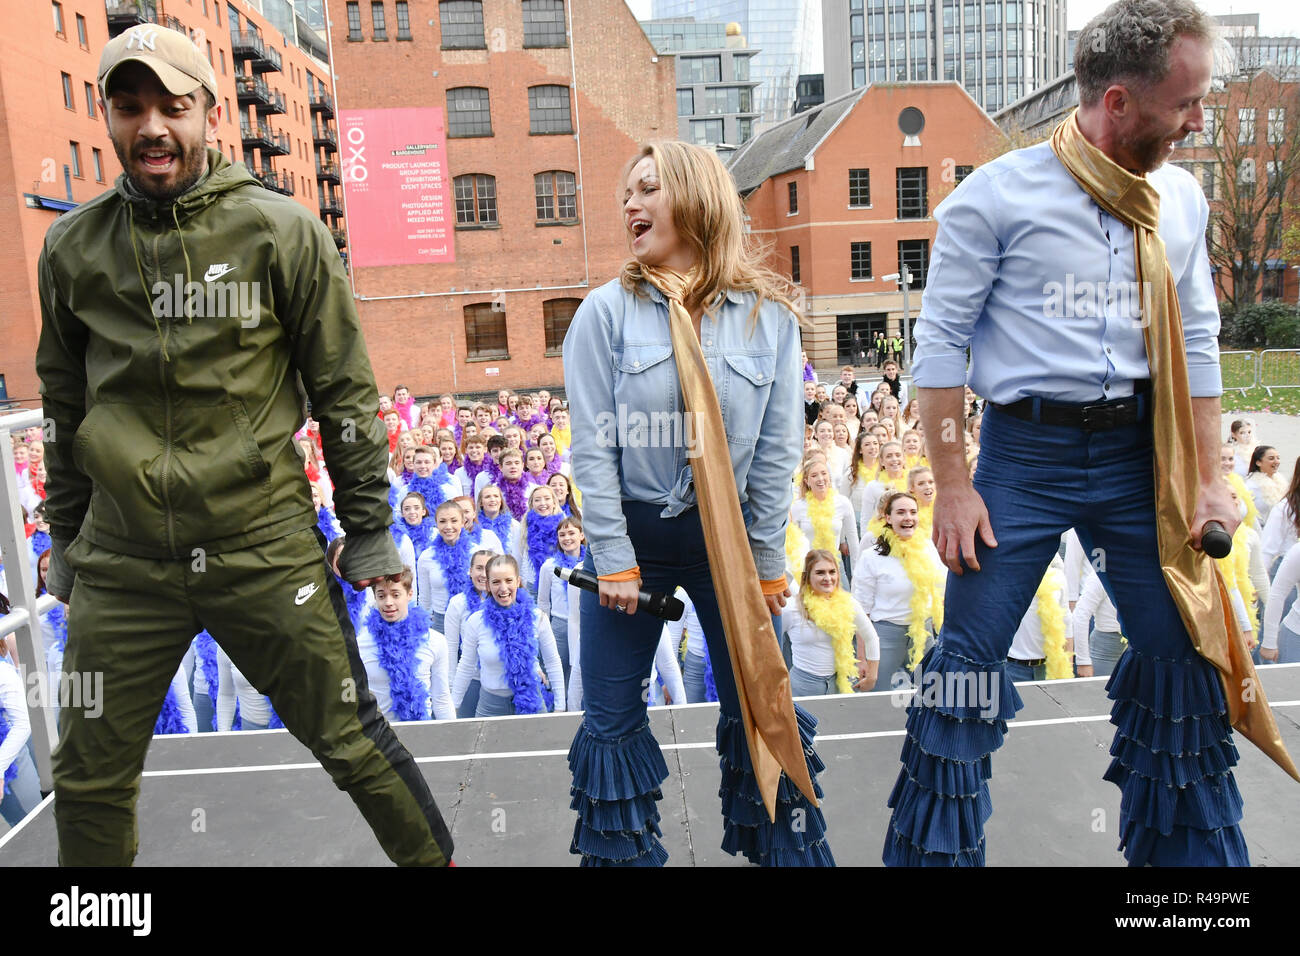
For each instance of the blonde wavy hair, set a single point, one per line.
(709, 216)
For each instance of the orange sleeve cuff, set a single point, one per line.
(631, 574)
(774, 586)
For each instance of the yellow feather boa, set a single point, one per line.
(867, 475)
(1235, 569)
(834, 615)
(796, 548)
(926, 579)
(1239, 485)
(1051, 620)
(821, 513)
(914, 461)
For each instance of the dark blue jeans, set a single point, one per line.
(1179, 801)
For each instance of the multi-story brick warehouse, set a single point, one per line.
(546, 101)
(55, 153)
(845, 193)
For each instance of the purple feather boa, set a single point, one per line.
(500, 526)
(515, 494)
(205, 648)
(327, 524)
(397, 644)
(431, 488)
(542, 542)
(472, 470)
(515, 632)
(420, 534)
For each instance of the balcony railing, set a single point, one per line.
(246, 45)
(331, 205)
(252, 89)
(279, 182)
(322, 103)
(328, 172)
(273, 106)
(267, 61)
(124, 14)
(324, 136)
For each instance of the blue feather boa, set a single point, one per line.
(515, 495)
(515, 632)
(11, 771)
(542, 542)
(499, 526)
(356, 601)
(710, 688)
(569, 560)
(40, 542)
(397, 644)
(453, 559)
(326, 524)
(473, 601)
(472, 470)
(419, 534)
(431, 488)
(205, 649)
(58, 618)
(169, 718)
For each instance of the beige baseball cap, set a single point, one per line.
(173, 57)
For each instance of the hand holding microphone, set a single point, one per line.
(1215, 540)
(663, 606)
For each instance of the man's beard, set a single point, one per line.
(192, 162)
(1147, 152)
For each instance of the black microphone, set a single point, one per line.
(660, 605)
(1215, 541)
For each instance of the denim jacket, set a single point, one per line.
(632, 439)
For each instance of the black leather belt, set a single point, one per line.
(1091, 416)
(1038, 663)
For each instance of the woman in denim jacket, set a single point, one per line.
(633, 446)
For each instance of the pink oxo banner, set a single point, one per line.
(398, 192)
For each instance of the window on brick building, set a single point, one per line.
(557, 196)
(859, 260)
(859, 187)
(476, 199)
(913, 202)
(67, 92)
(544, 23)
(58, 19)
(792, 195)
(485, 331)
(794, 264)
(915, 254)
(548, 110)
(75, 151)
(81, 32)
(556, 316)
(97, 158)
(354, 20)
(469, 111)
(90, 99)
(462, 25)
(961, 172)
(379, 30)
(403, 20)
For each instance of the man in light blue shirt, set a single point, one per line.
(1040, 283)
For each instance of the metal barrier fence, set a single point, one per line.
(24, 619)
(1279, 368)
(1240, 370)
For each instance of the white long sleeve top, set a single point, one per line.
(1076, 565)
(1027, 644)
(882, 587)
(812, 649)
(479, 651)
(690, 623)
(431, 585)
(1284, 582)
(1278, 535)
(1094, 604)
(665, 665)
(574, 690)
(552, 591)
(430, 668)
(843, 523)
(15, 704)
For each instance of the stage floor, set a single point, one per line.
(259, 799)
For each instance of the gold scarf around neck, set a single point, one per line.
(762, 682)
(1197, 590)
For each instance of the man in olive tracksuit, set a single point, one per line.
(180, 312)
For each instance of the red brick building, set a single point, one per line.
(55, 152)
(546, 101)
(845, 194)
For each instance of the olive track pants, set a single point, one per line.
(281, 617)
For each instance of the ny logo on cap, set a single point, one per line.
(142, 38)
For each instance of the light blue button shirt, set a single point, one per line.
(632, 439)
(1041, 284)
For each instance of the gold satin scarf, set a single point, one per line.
(762, 682)
(1196, 588)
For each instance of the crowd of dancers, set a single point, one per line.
(485, 509)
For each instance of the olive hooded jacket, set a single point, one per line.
(177, 342)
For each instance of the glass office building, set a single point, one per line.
(788, 32)
(716, 89)
(999, 50)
